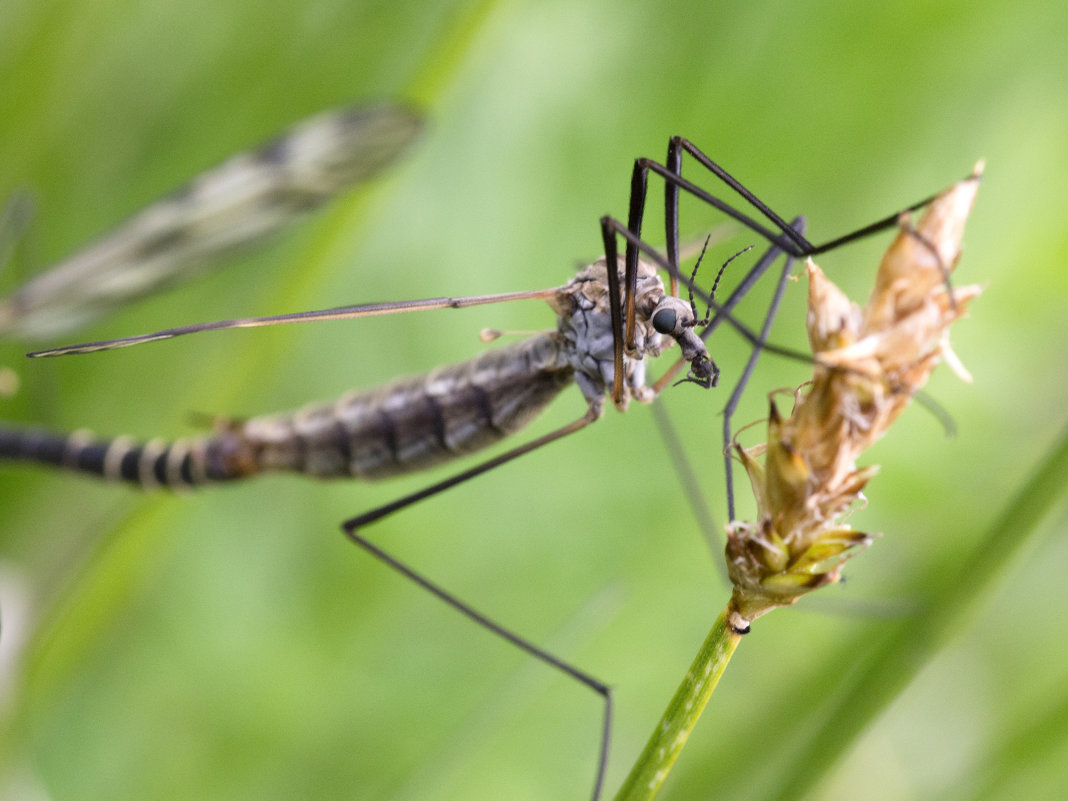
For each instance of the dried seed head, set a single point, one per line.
(869, 364)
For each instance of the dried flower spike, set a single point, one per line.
(869, 364)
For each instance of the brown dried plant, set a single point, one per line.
(870, 362)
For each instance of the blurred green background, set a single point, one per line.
(230, 644)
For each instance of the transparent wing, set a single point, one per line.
(338, 313)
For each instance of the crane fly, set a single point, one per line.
(611, 316)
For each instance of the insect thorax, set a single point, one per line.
(586, 324)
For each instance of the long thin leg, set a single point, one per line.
(496, 628)
(634, 225)
(625, 337)
(691, 487)
(367, 518)
(788, 239)
(350, 527)
(676, 146)
(739, 387)
(611, 260)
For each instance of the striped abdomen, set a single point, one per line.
(403, 427)
(184, 462)
(415, 423)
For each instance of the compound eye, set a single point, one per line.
(664, 321)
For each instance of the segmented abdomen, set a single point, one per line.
(415, 423)
(403, 427)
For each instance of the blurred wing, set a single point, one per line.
(244, 199)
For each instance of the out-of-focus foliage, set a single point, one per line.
(231, 645)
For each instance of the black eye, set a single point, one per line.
(664, 321)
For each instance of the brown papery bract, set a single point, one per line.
(869, 363)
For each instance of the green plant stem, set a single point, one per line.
(671, 733)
